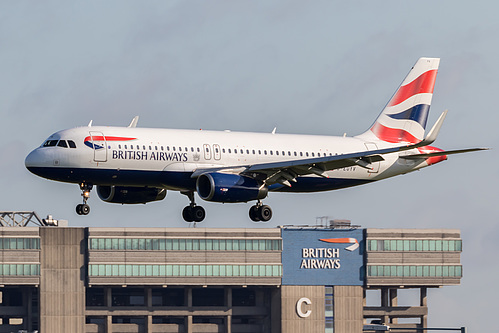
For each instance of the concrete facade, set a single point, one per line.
(56, 279)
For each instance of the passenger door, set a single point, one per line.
(100, 146)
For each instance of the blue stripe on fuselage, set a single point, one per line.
(176, 180)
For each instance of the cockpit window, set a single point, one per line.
(62, 143)
(59, 143)
(50, 143)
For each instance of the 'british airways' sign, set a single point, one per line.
(322, 257)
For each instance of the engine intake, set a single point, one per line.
(130, 195)
(221, 187)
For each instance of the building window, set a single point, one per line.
(208, 297)
(423, 245)
(329, 309)
(415, 270)
(161, 244)
(192, 270)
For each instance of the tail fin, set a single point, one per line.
(404, 118)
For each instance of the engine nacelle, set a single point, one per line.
(130, 195)
(222, 187)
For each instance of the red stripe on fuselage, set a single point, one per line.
(108, 138)
(393, 135)
(423, 84)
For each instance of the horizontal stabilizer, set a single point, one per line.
(441, 153)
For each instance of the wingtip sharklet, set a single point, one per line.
(433, 133)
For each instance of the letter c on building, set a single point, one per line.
(300, 313)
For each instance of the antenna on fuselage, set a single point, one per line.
(273, 131)
(134, 121)
(90, 123)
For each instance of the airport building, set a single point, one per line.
(286, 279)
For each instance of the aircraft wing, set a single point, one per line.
(286, 171)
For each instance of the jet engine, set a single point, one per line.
(130, 195)
(222, 187)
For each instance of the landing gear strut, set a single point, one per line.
(260, 212)
(193, 213)
(84, 209)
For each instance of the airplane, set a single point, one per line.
(131, 165)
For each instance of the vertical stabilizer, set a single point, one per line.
(404, 117)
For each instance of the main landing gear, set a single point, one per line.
(84, 209)
(260, 212)
(193, 213)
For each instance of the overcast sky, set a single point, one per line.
(322, 67)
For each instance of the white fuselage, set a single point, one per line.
(167, 158)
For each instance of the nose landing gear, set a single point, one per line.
(260, 212)
(193, 213)
(84, 209)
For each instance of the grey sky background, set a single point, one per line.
(323, 67)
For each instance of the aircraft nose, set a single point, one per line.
(34, 160)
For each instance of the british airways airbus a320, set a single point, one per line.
(131, 165)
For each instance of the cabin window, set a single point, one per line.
(144, 147)
(253, 152)
(62, 143)
(161, 147)
(138, 147)
(173, 148)
(179, 148)
(289, 153)
(71, 144)
(271, 152)
(242, 152)
(155, 147)
(119, 146)
(313, 155)
(223, 150)
(150, 148)
(192, 149)
(301, 153)
(186, 149)
(229, 150)
(277, 152)
(265, 152)
(259, 152)
(306, 154)
(247, 151)
(198, 149)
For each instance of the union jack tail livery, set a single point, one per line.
(404, 118)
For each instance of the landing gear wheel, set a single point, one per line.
(85, 209)
(82, 209)
(253, 213)
(192, 213)
(198, 214)
(187, 214)
(264, 213)
(78, 209)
